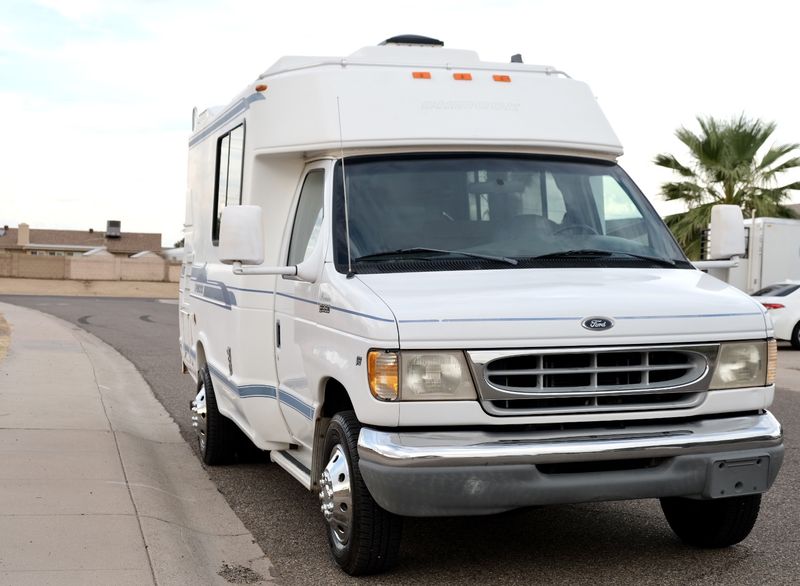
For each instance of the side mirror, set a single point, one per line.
(727, 232)
(241, 235)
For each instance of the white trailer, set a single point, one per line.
(773, 254)
(423, 284)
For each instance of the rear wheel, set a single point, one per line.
(216, 435)
(796, 336)
(712, 523)
(363, 537)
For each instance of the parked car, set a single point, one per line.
(783, 302)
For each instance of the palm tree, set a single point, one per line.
(725, 168)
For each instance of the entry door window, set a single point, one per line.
(308, 219)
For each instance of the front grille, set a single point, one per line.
(592, 380)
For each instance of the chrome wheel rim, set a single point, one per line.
(199, 421)
(336, 496)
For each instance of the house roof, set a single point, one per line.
(127, 243)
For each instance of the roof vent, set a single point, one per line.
(413, 40)
(113, 229)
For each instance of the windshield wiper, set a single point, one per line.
(596, 252)
(387, 254)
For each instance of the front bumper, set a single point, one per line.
(444, 473)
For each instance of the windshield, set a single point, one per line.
(467, 212)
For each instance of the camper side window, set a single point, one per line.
(308, 219)
(228, 190)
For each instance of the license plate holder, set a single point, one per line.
(738, 476)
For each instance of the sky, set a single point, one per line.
(96, 95)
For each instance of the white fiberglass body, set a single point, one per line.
(545, 307)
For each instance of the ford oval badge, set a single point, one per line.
(597, 324)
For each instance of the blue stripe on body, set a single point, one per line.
(267, 392)
(251, 290)
(623, 317)
(687, 316)
(246, 391)
(484, 319)
(198, 276)
(495, 319)
(209, 300)
(306, 411)
(335, 308)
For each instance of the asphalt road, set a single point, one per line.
(606, 543)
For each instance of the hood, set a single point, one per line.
(547, 307)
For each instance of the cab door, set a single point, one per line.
(297, 308)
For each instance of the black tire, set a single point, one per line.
(712, 523)
(218, 444)
(374, 537)
(796, 336)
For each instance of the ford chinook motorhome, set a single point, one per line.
(422, 283)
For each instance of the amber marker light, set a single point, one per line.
(462, 76)
(772, 360)
(421, 75)
(502, 78)
(262, 87)
(383, 374)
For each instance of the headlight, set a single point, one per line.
(435, 376)
(743, 364)
(423, 376)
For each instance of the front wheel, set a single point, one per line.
(363, 537)
(712, 523)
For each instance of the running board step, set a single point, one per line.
(293, 466)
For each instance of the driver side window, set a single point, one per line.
(308, 218)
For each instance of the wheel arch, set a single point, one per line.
(334, 399)
(201, 360)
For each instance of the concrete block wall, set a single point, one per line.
(142, 269)
(6, 260)
(173, 272)
(40, 267)
(93, 269)
(100, 268)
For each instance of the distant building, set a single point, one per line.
(36, 242)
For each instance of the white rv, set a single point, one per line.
(772, 255)
(423, 284)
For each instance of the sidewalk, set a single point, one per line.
(96, 484)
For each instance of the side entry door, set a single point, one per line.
(297, 309)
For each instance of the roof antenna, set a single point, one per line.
(350, 273)
(516, 58)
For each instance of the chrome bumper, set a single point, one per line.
(424, 472)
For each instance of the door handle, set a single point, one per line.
(277, 333)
